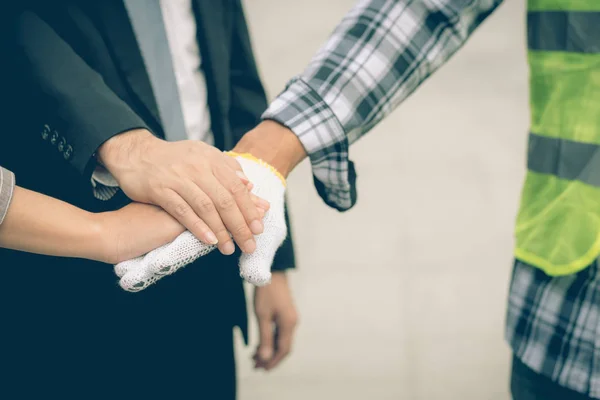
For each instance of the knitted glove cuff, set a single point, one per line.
(265, 164)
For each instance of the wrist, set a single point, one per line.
(92, 239)
(275, 144)
(118, 151)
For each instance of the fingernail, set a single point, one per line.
(262, 203)
(250, 186)
(257, 227)
(262, 213)
(249, 246)
(242, 176)
(211, 238)
(228, 248)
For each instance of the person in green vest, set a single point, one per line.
(376, 57)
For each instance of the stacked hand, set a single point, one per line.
(139, 273)
(170, 182)
(204, 189)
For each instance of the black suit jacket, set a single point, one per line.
(75, 78)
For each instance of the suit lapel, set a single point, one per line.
(115, 25)
(215, 35)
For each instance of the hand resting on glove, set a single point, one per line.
(139, 273)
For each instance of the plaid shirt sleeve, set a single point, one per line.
(376, 57)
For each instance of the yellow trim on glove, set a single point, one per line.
(250, 157)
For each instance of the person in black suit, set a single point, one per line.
(82, 98)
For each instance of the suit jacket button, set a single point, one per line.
(68, 153)
(61, 144)
(45, 132)
(54, 137)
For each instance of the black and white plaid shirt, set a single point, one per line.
(378, 55)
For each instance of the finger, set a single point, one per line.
(233, 163)
(163, 261)
(206, 208)
(257, 361)
(243, 177)
(260, 203)
(179, 208)
(231, 215)
(265, 349)
(136, 283)
(184, 250)
(255, 268)
(138, 279)
(242, 198)
(123, 267)
(284, 339)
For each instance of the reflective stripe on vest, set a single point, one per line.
(564, 159)
(558, 226)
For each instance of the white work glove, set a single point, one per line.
(139, 273)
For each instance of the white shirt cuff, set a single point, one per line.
(104, 184)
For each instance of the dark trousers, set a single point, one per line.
(526, 384)
(173, 341)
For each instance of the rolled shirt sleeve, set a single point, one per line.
(376, 57)
(7, 184)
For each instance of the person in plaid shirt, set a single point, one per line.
(377, 56)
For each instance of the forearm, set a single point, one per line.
(76, 108)
(40, 224)
(377, 56)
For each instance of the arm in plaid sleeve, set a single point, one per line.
(376, 57)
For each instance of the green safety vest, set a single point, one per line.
(558, 225)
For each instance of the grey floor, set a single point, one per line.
(404, 296)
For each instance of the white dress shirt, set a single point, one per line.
(180, 25)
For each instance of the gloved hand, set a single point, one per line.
(139, 273)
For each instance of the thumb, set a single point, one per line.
(255, 267)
